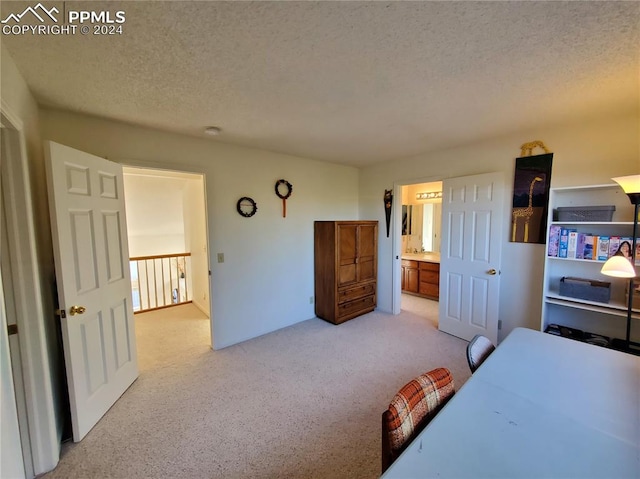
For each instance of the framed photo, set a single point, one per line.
(531, 184)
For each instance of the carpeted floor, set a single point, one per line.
(302, 402)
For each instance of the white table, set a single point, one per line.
(539, 406)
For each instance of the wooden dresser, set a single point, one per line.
(346, 268)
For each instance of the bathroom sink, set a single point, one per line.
(431, 257)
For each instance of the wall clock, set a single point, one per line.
(246, 207)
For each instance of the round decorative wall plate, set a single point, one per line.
(246, 207)
(288, 186)
(284, 196)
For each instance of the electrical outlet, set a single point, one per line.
(220, 257)
(310, 299)
(499, 324)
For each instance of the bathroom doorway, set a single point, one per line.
(420, 249)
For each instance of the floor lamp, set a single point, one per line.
(618, 265)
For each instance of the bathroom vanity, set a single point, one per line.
(421, 274)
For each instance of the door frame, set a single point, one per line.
(42, 424)
(169, 167)
(396, 248)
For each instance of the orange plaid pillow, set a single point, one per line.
(417, 401)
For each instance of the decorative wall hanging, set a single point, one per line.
(388, 200)
(246, 207)
(284, 196)
(531, 184)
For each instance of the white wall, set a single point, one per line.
(195, 217)
(155, 214)
(266, 279)
(590, 152)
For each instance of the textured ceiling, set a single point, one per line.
(347, 82)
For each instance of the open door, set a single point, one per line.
(86, 203)
(472, 209)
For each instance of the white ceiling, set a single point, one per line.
(347, 82)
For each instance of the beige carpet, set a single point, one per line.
(302, 402)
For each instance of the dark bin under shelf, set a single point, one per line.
(588, 289)
(584, 213)
(579, 335)
(565, 331)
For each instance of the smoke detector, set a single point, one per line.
(212, 130)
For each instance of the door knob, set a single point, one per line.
(73, 310)
(492, 272)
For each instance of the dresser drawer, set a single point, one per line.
(409, 263)
(356, 307)
(429, 289)
(349, 294)
(429, 266)
(432, 277)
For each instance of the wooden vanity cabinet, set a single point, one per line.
(345, 268)
(429, 280)
(410, 275)
(421, 278)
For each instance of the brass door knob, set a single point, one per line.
(492, 272)
(73, 310)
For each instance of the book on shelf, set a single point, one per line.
(554, 240)
(563, 244)
(624, 249)
(603, 248)
(614, 244)
(572, 244)
(588, 247)
(580, 245)
(569, 243)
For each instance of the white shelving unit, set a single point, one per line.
(608, 319)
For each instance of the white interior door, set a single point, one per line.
(472, 209)
(86, 202)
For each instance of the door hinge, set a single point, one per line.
(61, 312)
(12, 329)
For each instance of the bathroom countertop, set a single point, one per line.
(428, 257)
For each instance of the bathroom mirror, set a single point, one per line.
(406, 219)
(421, 227)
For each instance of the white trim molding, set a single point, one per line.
(36, 366)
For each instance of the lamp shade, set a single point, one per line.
(630, 184)
(619, 267)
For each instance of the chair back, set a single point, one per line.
(478, 349)
(411, 409)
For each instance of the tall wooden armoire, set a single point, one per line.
(346, 268)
